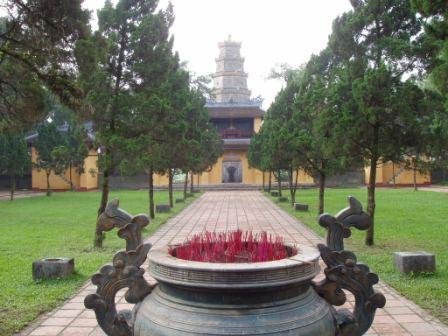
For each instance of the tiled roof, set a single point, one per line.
(88, 125)
(234, 111)
(236, 143)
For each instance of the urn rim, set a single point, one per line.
(299, 268)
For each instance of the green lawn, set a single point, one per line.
(404, 221)
(60, 225)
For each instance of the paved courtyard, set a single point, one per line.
(232, 210)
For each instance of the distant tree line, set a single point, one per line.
(148, 113)
(376, 93)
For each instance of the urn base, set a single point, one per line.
(163, 314)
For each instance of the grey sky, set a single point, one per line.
(271, 32)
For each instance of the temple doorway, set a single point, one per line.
(232, 172)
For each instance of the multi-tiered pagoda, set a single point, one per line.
(236, 116)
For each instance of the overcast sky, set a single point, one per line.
(271, 32)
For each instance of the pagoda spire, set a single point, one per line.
(230, 80)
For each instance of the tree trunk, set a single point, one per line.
(99, 237)
(393, 174)
(185, 184)
(192, 182)
(12, 187)
(415, 176)
(152, 214)
(48, 182)
(292, 190)
(296, 182)
(262, 173)
(321, 193)
(170, 186)
(104, 192)
(371, 201)
(270, 181)
(279, 182)
(71, 182)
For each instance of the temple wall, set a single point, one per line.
(304, 178)
(249, 175)
(407, 177)
(403, 176)
(215, 174)
(160, 180)
(89, 179)
(84, 181)
(257, 124)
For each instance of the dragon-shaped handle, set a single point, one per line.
(338, 227)
(343, 272)
(125, 272)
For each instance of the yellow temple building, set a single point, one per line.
(237, 118)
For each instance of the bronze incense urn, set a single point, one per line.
(264, 298)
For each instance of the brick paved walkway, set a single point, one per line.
(436, 188)
(229, 211)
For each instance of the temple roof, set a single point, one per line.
(236, 143)
(231, 94)
(249, 109)
(88, 126)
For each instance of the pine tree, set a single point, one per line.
(22, 97)
(37, 41)
(435, 41)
